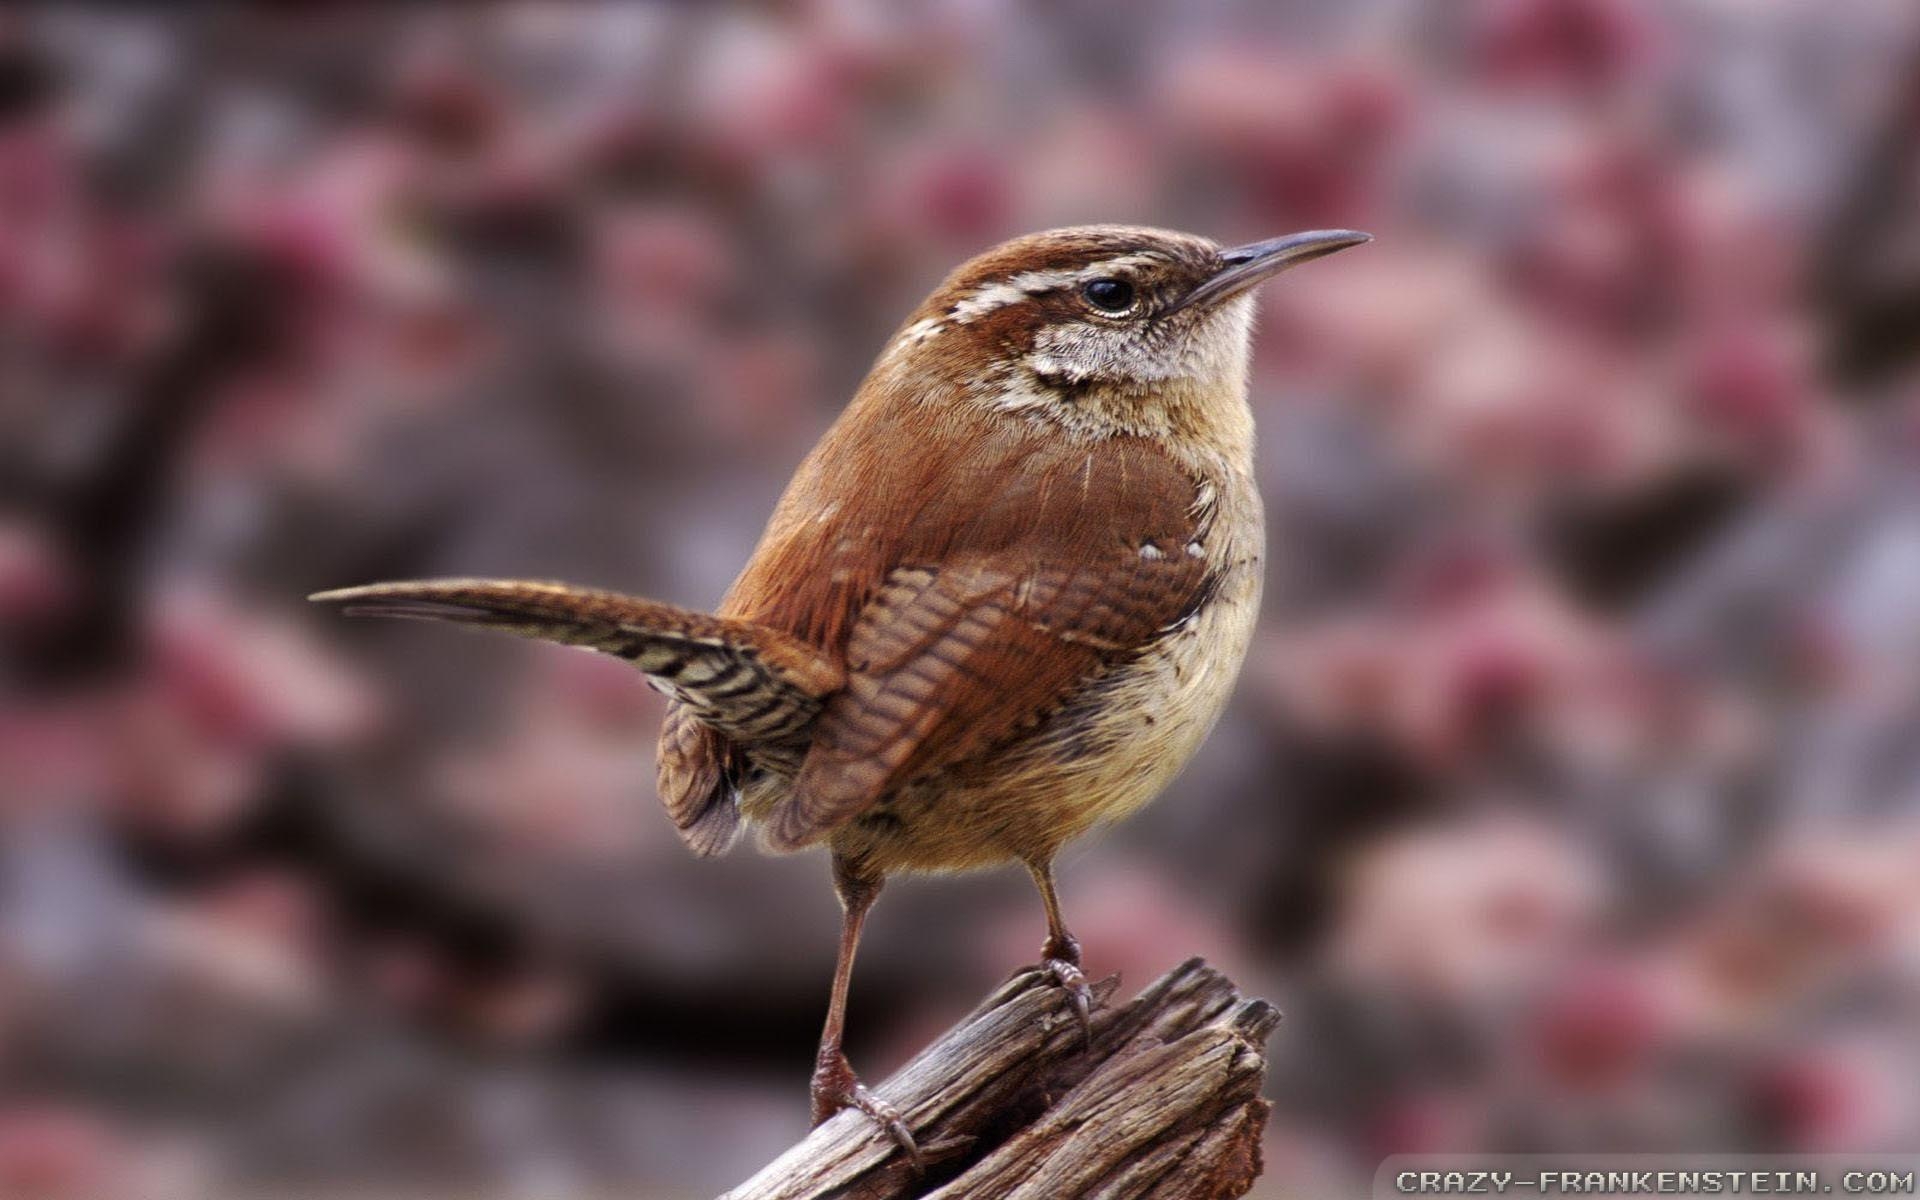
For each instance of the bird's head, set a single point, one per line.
(1101, 329)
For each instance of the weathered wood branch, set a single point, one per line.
(1162, 1104)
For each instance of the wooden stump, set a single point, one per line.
(1013, 1104)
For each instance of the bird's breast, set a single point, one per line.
(1125, 735)
(1109, 748)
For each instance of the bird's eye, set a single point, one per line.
(1109, 295)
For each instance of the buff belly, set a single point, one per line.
(1108, 751)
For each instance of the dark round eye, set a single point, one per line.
(1113, 295)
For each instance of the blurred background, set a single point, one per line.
(1570, 800)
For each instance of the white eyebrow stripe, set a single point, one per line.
(995, 296)
(920, 331)
(991, 297)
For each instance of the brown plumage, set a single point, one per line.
(1002, 600)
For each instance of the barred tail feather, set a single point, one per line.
(753, 684)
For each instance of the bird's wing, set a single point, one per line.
(950, 658)
(751, 683)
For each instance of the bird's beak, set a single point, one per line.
(1247, 266)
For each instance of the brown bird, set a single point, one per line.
(1002, 601)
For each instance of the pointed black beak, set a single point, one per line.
(1247, 266)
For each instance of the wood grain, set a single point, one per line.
(1010, 1103)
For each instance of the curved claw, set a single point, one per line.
(836, 1088)
(1079, 993)
(888, 1118)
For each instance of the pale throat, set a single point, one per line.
(1192, 393)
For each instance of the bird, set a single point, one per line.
(1002, 601)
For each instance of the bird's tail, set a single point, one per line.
(753, 684)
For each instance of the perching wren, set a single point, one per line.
(1001, 602)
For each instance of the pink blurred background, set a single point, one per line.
(1571, 798)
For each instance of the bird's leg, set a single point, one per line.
(1060, 957)
(835, 1086)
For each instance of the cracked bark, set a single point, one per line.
(1010, 1104)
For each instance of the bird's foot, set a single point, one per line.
(1061, 959)
(836, 1087)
